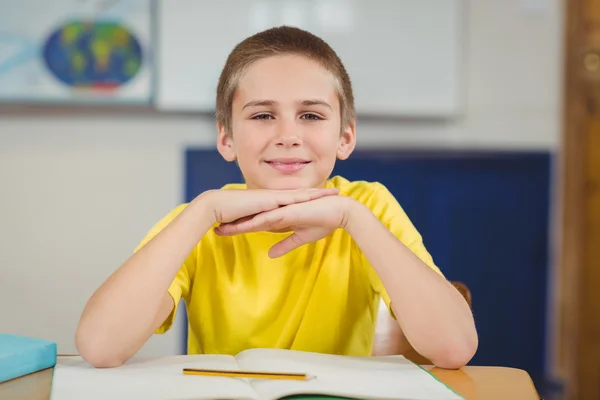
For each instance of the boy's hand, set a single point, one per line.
(226, 206)
(310, 221)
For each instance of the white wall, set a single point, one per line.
(78, 192)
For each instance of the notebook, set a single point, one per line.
(377, 378)
(20, 355)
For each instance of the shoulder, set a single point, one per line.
(372, 194)
(384, 206)
(174, 213)
(234, 186)
(379, 200)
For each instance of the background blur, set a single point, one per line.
(106, 124)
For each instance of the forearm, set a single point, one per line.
(125, 311)
(433, 315)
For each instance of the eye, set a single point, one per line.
(311, 117)
(262, 117)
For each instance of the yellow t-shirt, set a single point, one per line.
(322, 297)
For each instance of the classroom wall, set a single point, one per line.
(78, 191)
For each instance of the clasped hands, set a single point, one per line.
(310, 214)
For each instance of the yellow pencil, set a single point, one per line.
(246, 374)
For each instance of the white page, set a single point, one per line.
(390, 377)
(148, 379)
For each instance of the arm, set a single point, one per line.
(131, 305)
(441, 327)
(128, 308)
(433, 315)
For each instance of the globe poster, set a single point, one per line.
(76, 51)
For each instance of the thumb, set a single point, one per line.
(286, 245)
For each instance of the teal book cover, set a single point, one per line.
(21, 355)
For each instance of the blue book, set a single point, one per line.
(20, 355)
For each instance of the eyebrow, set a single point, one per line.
(312, 102)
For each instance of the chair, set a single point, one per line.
(389, 339)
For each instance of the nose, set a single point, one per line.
(288, 135)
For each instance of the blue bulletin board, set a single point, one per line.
(483, 217)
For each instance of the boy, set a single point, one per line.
(293, 258)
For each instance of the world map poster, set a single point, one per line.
(76, 51)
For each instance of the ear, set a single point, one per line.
(225, 143)
(347, 141)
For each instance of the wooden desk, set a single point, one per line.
(474, 383)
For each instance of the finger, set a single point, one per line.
(261, 222)
(240, 220)
(283, 247)
(323, 192)
(279, 198)
(223, 228)
(301, 196)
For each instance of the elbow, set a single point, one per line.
(452, 361)
(456, 355)
(98, 358)
(101, 361)
(92, 350)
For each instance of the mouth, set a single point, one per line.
(288, 165)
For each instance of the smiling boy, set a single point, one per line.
(293, 258)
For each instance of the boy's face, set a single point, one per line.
(286, 125)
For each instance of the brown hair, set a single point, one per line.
(280, 41)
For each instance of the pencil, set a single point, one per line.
(246, 374)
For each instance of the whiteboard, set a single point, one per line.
(404, 56)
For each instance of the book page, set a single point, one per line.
(150, 379)
(381, 378)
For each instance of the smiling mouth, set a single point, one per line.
(288, 167)
(287, 162)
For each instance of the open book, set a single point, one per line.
(379, 378)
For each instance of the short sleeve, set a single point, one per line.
(180, 286)
(386, 208)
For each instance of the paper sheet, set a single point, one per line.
(390, 377)
(157, 379)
